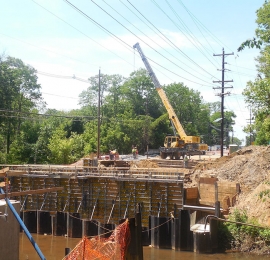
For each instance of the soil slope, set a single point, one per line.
(250, 167)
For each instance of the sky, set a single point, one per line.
(69, 41)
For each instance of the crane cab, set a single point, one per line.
(173, 142)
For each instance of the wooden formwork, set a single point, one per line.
(106, 195)
(212, 190)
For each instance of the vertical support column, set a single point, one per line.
(161, 233)
(202, 242)
(30, 221)
(138, 222)
(175, 233)
(9, 232)
(91, 228)
(38, 222)
(186, 236)
(135, 249)
(60, 224)
(44, 225)
(74, 225)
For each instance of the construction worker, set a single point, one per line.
(186, 161)
(133, 152)
(111, 155)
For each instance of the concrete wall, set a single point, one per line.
(9, 232)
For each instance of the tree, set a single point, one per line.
(235, 140)
(257, 93)
(65, 150)
(187, 106)
(139, 91)
(19, 94)
(215, 126)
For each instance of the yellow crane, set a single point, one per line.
(177, 145)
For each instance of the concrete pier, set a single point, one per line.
(10, 230)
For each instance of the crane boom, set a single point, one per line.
(174, 146)
(172, 116)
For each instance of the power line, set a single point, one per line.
(241, 67)
(194, 39)
(74, 118)
(54, 95)
(97, 24)
(63, 77)
(47, 50)
(112, 34)
(148, 36)
(44, 115)
(149, 44)
(94, 41)
(192, 17)
(168, 39)
(80, 31)
(220, 42)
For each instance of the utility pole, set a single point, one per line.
(222, 94)
(98, 128)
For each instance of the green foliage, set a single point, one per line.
(224, 237)
(65, 150)
(251, 44)
(132, 113)
(252, 238)
(19, 95)
(257, 93)
(264, 193)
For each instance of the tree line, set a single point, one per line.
(131, 114)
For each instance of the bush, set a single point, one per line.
(246, 238)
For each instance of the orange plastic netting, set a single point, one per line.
(110, 248)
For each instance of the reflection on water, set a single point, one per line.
(53, 248)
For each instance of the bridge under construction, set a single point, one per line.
(102, 194)
(91, 200)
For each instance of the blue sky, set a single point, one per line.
(179, 35)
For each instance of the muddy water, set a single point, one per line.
(53, 248)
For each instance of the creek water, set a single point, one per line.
(53, 248)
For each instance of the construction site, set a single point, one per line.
(85, 200)
(172, 201)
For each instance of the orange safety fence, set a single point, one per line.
(113, 247)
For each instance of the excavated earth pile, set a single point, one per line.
(250, 167)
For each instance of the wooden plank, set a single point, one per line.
(192, 193)
(28, 192)
(208, 180)
(15, 173)
(3, 172)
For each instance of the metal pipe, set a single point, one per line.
(230, 221)
(31, 239)
(200, 208)
(111, 212)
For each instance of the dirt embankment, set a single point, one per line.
(250, 167)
